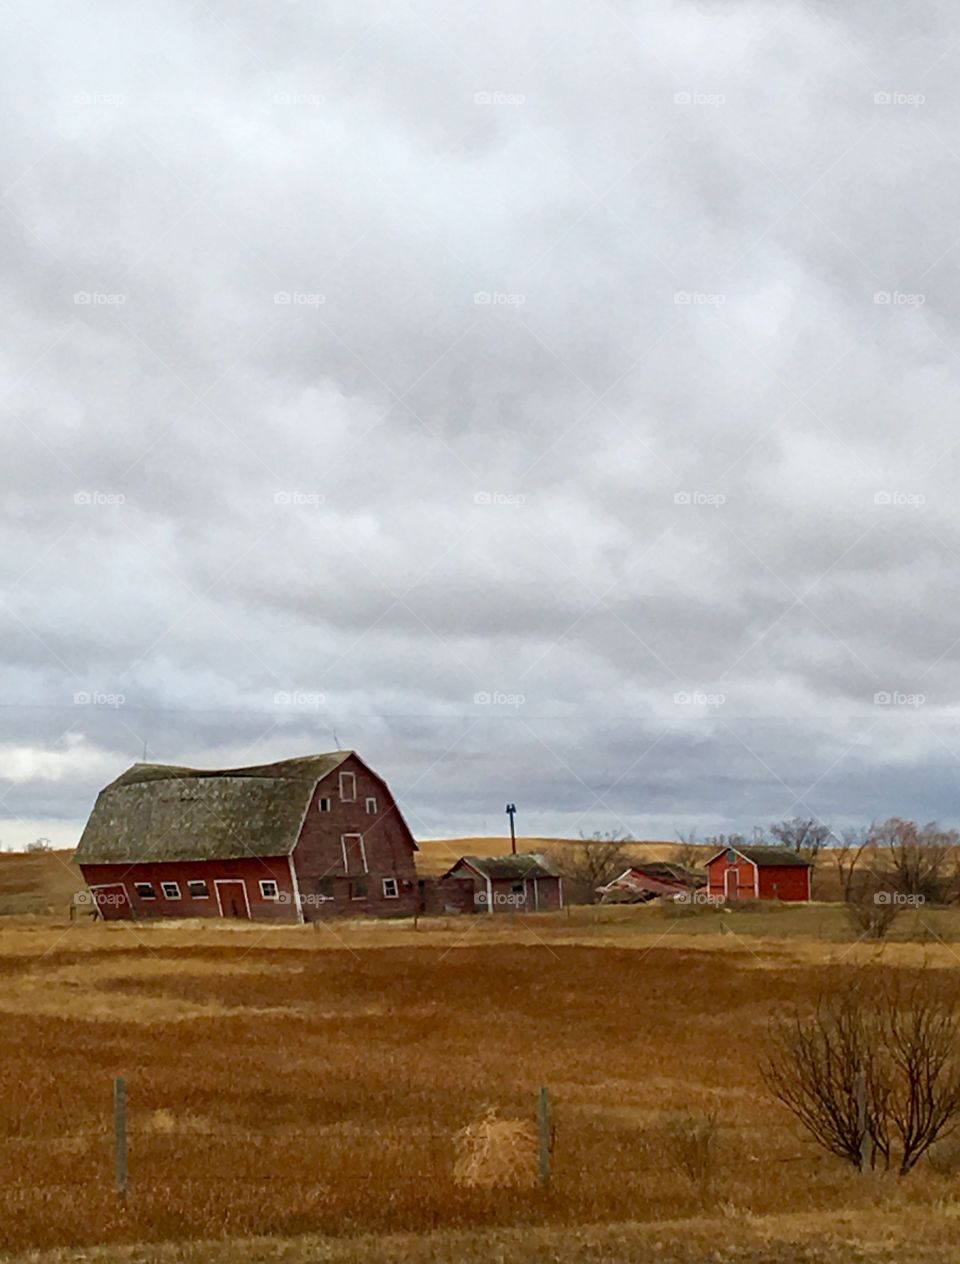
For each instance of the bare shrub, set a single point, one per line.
(917, 860)
(495, 1153)
(689, 1145)
(872, 906)
(874, 1074)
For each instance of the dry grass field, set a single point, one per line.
(296, 1094)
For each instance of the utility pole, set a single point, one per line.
(511, 810)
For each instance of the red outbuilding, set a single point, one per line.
(293, 841)
(523, 883)
(758, 873)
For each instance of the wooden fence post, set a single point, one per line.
(120, 1135)
(543, 1121)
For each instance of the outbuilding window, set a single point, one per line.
(391, 891)
(198, 889)
(269, 889)
(171, 890)
(731, 857)
(145, 890)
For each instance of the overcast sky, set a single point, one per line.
(554, 402)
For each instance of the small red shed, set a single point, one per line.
(759, 873)
(522, 883)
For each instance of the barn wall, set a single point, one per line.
(249, 870)
(328, 888)
(786, 882)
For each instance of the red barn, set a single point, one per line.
(293, 841)
(758, 873)
(522, 883)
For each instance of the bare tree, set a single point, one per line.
(804, 835)
(847, 852)
(687, 850)
(918, 858)
(591, 863)
(874, 1074)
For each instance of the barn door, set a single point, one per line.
(232, 898)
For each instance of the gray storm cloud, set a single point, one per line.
(554, 403)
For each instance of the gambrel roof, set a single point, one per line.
(162, 812)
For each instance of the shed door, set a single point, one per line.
(731, 883)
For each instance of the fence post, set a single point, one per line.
(543, 1121)
(120, 1135)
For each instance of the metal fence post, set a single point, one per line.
(543, 1120)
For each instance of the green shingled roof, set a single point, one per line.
(160, 812)
(523, 865)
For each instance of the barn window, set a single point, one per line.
(391, 890)
(171, 890)
(358, 890)
(198, 889)
(325, 888)
(371, 806)
(323, 805)
(269, 889)
(731, 857)
(348, 787)
(145, 890)
(354, 853)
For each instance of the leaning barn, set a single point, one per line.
(759, 873)
(501, 884)
(287, 842)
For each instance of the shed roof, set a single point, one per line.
(522, 865)
(765, 857)
(162, 812)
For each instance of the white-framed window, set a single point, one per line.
(269, 889)
(371, 806)
(348, 787)
(391, 889)
(145, 890)
(171, 890)
(323, 805)
(354, 853)
(198, 889)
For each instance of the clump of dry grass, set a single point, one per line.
(690, 1147)
(493, 1153)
